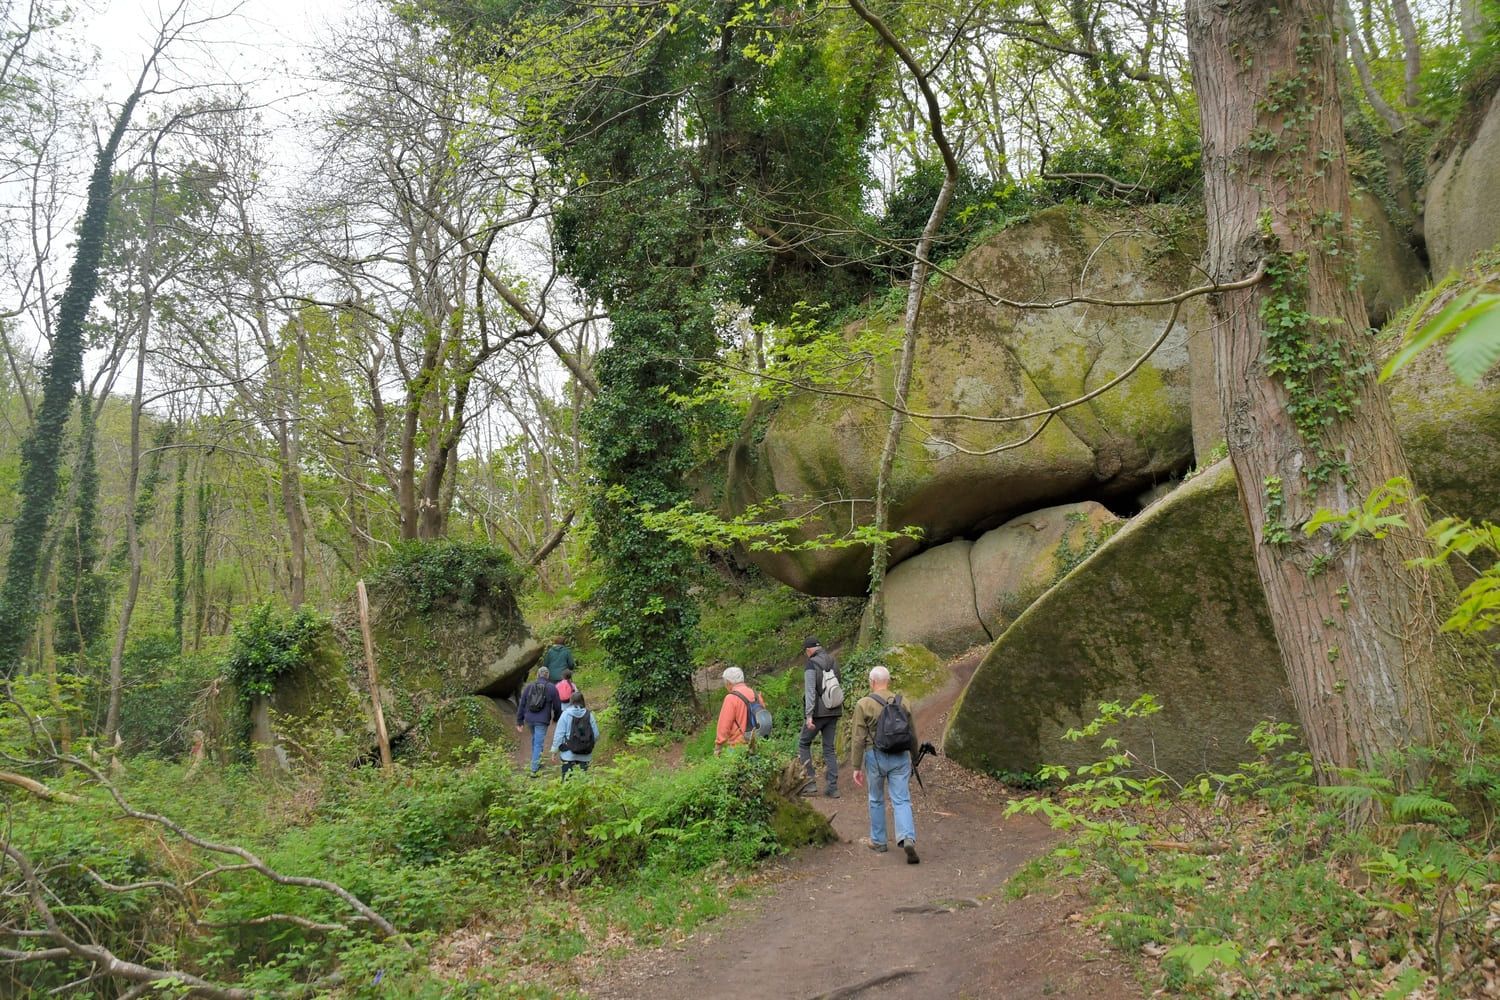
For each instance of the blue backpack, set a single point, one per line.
(758, 715)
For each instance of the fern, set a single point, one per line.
(1420, 807)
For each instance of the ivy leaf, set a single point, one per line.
(1475, 348)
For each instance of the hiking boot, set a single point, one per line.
(832, 793)
(910, 848)
(808, 790)
(877, 848)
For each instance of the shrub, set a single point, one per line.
(268, 643)
(422, 576)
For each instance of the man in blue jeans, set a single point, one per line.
(537, 708)
(883, 743)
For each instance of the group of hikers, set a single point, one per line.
(883, 743)
(553, 698)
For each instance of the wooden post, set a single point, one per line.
(364, 627)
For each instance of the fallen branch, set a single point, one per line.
(97, 955)
(36, 788)
(854, 989)
(251, 861)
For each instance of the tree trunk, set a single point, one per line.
(1306, 424)
(1411, 50)
(291, 509)
(132, 525)
(915, 291)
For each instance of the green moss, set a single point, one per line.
(794, 823)
(1171, 605)
(916, 671)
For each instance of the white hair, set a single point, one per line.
(880, 675)
(734, 675)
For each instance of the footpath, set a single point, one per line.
(843, 922)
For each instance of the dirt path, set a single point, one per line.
(843, 921)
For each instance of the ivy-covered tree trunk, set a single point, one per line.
(1306, 424)
(83, 593)
(19, 601)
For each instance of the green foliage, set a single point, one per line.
(762, 625)
(1478, 609)
(1250, 883)
(629, 849)
(753, 529)
(179, 548)
(1066, 558)
(162, 687)
(268, 643)
(1470, 322)
(422, 576)
(1306, 355)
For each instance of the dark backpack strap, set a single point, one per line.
(749, 712)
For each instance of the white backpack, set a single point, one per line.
(831, 694)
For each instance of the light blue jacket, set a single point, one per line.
(565, 726)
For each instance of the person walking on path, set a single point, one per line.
(558, 659)
(566, 687)
(821, 718)
(883, 746)
(734, 714)
(537, 708)
(575, 736)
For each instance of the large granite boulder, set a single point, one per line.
(1449, 431)
(929, 600)
(446, 625)
(977, 358)
(1462, 219)
(1170, 605)
(1016, 563)
(1391, 273)
(961, 594)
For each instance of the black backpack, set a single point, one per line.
(892, 726)
(580, 735)
(536, 697)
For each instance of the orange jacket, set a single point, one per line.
(734, 717)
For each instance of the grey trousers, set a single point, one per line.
(829, 728)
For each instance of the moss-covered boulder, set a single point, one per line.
(1450, 432)
(1170, 605)
(446, 625)
(961, 594)
(446, 733)
(1461, 218)
(978, 358)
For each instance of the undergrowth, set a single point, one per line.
(623, 854)
(1254, 884)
